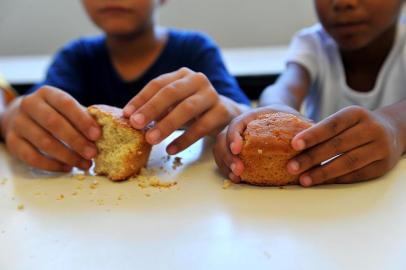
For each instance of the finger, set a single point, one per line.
(46, 143)
(219, 154)
(200, 128)
(344, 142)
(326, 129)
(237, 127)
(151, 89)
(234, 178)
(60, 127)
(28, 154)
(187, 110)
(371, 171)
(344, 164)
(224, 159)
(75, 113)
(177, 93)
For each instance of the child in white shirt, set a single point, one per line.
(350, 74)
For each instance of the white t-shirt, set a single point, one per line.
(314, 49)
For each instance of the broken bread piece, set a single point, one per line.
(122, 150)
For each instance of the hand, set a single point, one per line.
(366, 145)
(229, 142)
(50, 130)
(176, 99)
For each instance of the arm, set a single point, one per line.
(289, 90)
(286, 95)
(204, 96)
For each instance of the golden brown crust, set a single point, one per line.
(123, 150)
(266, 149)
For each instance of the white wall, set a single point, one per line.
(42, 26)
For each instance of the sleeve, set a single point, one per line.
(66, 72)
(208, 60)
(303, 51)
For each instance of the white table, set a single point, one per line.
(241, 62)
(197, 224)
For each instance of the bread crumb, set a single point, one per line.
(3, 181)
(177, 162)
(226, 184)
(80, 177)
(260, 151)
(60, 197)
(74, 193)
(147, 195)
(100, 202)
(94, 184)
(147, 178)
(20, 206)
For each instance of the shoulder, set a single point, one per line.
(82, 47)
(191, 39)
(314, 36)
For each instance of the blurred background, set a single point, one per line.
(30, 27)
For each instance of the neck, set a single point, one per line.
(374, 54)
(127, 48)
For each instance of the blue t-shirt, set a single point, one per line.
(83, 68)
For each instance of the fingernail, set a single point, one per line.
(90, 152)
(300, 144)
(138, 119)
(128, 110)
(154, 136)
(172, 149)
(94, 133)
(232, 147)
(232, 167)
(294, 165)
(306, 181)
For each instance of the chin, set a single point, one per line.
(351, 44)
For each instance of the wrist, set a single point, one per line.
(397, 127)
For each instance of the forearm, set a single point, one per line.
(289, 90)
(279, 95)
(395, 114)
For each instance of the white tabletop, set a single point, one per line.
(197, 224)
(259, 61)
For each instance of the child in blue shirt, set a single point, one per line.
(349, 73)
(175, 78)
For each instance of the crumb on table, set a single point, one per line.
(94, 184)
(226, 184)
(80, 177)
(60, 197)
(20, 206)
(177, 162)
(3, 181)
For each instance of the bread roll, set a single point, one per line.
(266, 149)
(122, 150)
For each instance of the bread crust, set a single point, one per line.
(266, 148)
